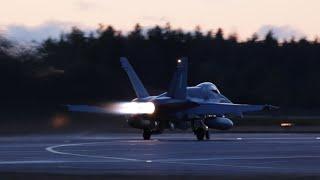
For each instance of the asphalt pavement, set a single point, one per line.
(236, 154)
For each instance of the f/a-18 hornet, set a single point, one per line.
(201, 107)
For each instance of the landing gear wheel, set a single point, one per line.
(146, 134)
(200, 132)
(207, 135)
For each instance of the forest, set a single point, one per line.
(82, 67)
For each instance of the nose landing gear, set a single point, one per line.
(207, 135)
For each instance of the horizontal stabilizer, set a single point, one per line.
(86, 108)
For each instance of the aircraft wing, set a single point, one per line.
(227, 108)
(86, 108)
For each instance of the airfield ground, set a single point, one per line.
(173, 156)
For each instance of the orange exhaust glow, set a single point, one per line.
(59, 121)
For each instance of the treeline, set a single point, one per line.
(80, 67)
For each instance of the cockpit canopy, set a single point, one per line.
(209, 86)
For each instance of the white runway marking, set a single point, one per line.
(30, 162)
(277, 138)
(159, 138)
(236, 158)
(54, 162)
(52, 150)
(192, 161)
(225, 165)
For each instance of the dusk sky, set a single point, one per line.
(36, 19)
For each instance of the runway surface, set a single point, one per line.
(167, 154)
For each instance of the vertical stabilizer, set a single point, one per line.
(178, 86)
(138, 87)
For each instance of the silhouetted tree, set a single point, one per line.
(270, 40)
(80, 66)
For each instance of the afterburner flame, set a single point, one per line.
(133, 108)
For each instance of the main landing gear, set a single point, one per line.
(202, 131)
(146, 134)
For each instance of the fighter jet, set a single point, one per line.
(201, 107)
